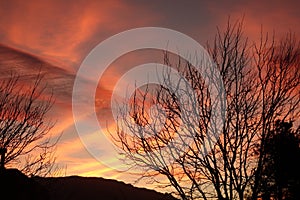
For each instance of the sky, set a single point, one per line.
(59, 35)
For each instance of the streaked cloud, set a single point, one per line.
(64, 30)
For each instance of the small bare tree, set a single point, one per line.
(24, 127)
(261, 82)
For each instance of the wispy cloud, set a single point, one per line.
(64, 30)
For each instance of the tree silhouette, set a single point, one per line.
(23, 126)
(281, 176)
(261, 82)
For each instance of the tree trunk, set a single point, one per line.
(2, 154)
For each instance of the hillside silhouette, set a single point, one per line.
(15, 185)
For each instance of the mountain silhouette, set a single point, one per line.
(15, 185)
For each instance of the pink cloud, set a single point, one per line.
(63, 30)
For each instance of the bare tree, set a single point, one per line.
(261, 82)
(277, 64)
(24, 126)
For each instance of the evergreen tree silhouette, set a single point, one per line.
(281, 175)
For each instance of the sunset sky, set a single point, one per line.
(58, 35)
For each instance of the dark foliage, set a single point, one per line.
(281, 175)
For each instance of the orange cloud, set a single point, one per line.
(63, 30)
(273, 16)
